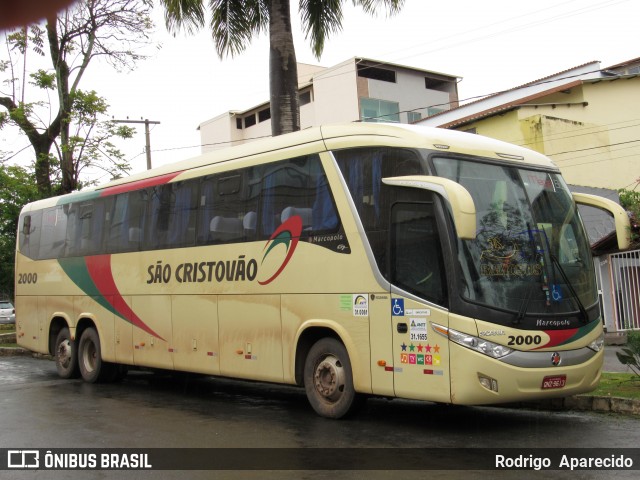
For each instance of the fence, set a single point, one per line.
(625, 283)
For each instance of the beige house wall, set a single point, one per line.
(592, 132)
(338, 87)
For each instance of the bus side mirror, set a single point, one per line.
(459, 199)
(620, 217)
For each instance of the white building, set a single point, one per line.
(358, 89)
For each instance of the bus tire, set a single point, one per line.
(328, 379)
(92, 368)
(66, 355)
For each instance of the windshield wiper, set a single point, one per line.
(563, 274)
(523, 307)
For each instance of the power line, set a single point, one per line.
(147, 135)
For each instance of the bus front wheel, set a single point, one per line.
(65, 355)
(328, 380)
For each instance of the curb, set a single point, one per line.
(586, 403)
(22, 352)
(583, 403)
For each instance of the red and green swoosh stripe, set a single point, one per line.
(93, 275)
(287, 234)
(124, 188)
(563, 337)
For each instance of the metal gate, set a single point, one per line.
(625, 282)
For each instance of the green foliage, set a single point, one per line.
(17, 187)
(23, 39)
(43, 79)
(630, 354)
(87, 105)
(630, 201)
(55, 124)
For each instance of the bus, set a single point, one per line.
(351, 260)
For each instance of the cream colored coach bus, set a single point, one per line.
(353, 260)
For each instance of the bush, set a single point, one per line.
(630, 354)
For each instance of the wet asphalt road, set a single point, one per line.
(151, 410)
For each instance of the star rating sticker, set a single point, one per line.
(436, 349)
(412, 347)
(420, 348)
(428, 348)
(403, 347)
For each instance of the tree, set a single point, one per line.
(17, 187)
(235, 22)
(630, 201)
(113, 30)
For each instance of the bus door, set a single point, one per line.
(420, 356)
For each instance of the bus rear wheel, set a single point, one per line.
(328, 380)
(65, 355)
(92, 368)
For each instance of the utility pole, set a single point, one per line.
(146, 135)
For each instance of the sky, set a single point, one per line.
(491, 44)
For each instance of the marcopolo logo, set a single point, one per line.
(288, 235)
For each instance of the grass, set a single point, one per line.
(11, 328)
(622, 385)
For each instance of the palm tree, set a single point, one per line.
(235, 22)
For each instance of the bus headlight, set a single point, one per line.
(474, 343)
(597, 344)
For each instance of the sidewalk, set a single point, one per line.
(611, 362)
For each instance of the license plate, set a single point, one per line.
(557, 381)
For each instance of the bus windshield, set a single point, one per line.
(531, 255)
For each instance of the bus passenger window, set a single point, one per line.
(54, 233)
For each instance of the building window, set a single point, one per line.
(413, 116)
(434, 110)
(250, 120)
(436, 84)
(377, 73)
(305, 97)
(239, 123)
(374, 110)
(264, 114)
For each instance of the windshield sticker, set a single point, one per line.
(504, 256)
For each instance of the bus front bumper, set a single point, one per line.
(477, 379)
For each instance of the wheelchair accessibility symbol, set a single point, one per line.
(397, 308)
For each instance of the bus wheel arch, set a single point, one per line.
(306, 340)
(64, 349)
(328, 378)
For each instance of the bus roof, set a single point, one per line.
(317, 139)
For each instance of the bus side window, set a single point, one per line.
(416, 254)
(54, 233)
(297, 187)
(227, 208)
(29, 237)
(127, 221)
